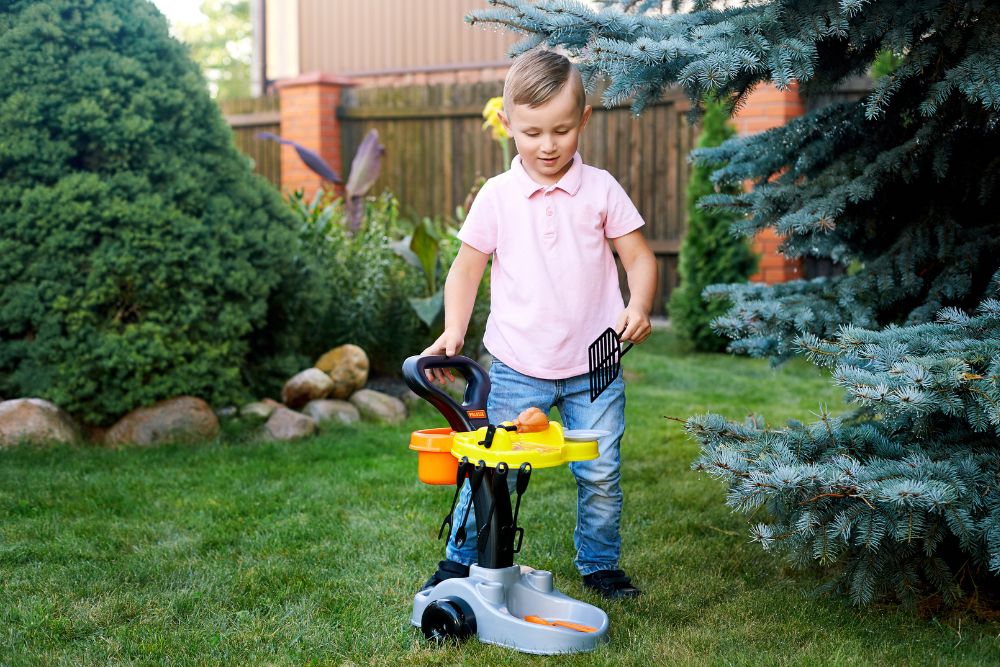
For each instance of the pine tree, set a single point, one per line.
(901, 495)
(710, 253)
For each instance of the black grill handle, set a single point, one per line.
(468, 416)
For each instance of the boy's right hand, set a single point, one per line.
(449, 343)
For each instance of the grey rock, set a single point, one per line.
(285, 424)
(376, 406)
(393, 387)
(330, 410)
(259, 410)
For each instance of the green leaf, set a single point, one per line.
(402, 248)
(428, 309)
(425, 246)
(323, 221)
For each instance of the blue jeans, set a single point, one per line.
(599, 493)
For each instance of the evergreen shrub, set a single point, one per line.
(900, 497)
(139, 256)
(710, 252)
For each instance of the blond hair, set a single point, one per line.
(539, 75)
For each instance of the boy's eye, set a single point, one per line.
(561, 131)
(531, 134)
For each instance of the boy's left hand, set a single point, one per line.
(634, 325)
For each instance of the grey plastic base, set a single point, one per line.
(500, 598)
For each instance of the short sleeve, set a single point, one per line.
(480, 227)
(623, 217)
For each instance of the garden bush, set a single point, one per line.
(140, 258)
(371, 283)
(370, 288)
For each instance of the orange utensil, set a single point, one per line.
(562, 624)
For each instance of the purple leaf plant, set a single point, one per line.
(365, 169)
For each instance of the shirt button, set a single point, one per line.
(548, 211)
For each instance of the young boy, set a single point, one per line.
(554, 287)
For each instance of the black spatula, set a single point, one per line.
(605, 361)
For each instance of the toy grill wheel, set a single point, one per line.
(448, 619)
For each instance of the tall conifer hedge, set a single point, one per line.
(710, 252)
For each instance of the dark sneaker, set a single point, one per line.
(612, 584)
(447, 569)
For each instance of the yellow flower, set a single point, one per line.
(491, 112)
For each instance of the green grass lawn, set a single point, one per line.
(239, 552)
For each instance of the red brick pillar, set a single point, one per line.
(309, 116)
(769, 107)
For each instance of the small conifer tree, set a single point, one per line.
(901, 495)
(710, 252)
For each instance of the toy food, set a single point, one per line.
(531, 420)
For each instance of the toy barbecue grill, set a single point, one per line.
(500, 602)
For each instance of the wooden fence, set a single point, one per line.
(436, 149)
(248, 117)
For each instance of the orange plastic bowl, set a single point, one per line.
(435, 464)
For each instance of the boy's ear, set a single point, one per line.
(505, 121)
(586, 116)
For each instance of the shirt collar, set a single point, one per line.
(569, 183)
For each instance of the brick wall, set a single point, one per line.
(766, 108)
(309, 116)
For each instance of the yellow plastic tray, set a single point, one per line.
(545, 449)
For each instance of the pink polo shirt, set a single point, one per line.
(554, 284)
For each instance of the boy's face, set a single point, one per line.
(547, 136)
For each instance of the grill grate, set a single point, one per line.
(604, 360)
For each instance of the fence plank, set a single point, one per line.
(436, 148)
(249, 116)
